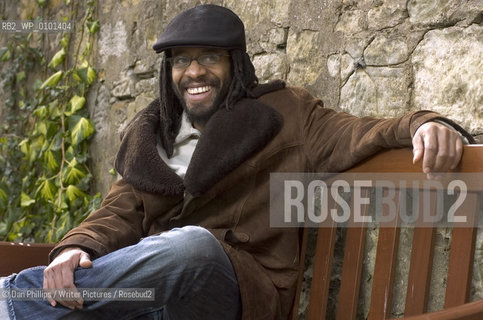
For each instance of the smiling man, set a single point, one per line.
(190, 216)
(201, 80)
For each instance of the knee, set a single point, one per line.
(195, 244)
(189, 233)
(186, 244)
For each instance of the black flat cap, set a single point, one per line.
(207, 25)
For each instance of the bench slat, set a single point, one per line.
(420, 269)
(460, 268)
(421, 263)
(352, 266)
(319, 292)
(384, 269)
(351, 273)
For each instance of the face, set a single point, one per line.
(201, 88)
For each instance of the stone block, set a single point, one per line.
(341, 66)
(378, 92)
(306, 62)
(442, 12)
(351, 21)
(139, 103)
(389, 14)
(383, 51)
(112, 40)
(123, 89)
(147, 86)
(270, 66)
(447, 75)
(359, 95)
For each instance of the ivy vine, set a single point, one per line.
(45, 178)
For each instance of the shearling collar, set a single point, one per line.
(229, 138)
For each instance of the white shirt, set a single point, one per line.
(184, 146)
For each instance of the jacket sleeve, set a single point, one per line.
(121, 221)
(335, 141)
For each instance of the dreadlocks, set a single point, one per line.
(243, 82)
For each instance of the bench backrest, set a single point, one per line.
(460, 267)
(15, 257)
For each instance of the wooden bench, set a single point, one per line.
(15, 257)
(460, 267)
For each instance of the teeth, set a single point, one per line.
(198, 90)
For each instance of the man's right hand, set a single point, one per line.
(60, 274)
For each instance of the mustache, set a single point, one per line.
(202, 80)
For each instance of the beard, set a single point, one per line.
(198, 112)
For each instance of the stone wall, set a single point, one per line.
(377, 58)
(369, 57)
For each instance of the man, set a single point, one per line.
(190, 217)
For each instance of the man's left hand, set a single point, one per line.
(438, 146)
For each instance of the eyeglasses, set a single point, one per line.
(182, 62)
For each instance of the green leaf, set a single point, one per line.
(20, 76)
(12, 236)
(56, 143)
(53, 128)
(87, 74)
(54, 109)
(70, 154)
(25, 147)
(37, 84)
(73, 193)
(72, 174)
(3, 195)
(52, 80)
(76, 103)
(87, 49)
(35, 146)
(50, 160)
(93, 26)
(81, 128)
(5, 54)
(49, 236)
(3, 198)
(64, 42)
(42, 3)
(57, 59)
(25, 200)
(64, 224)
(3, 229)
(41, 112)
(113, 172)
(63, 202)
(41, 128)
(46, 189)
(91, 75)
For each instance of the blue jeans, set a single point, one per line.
(189, 270)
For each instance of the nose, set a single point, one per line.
(195, 70)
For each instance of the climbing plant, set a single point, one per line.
(44, 181)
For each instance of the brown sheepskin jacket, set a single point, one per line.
(226, 188)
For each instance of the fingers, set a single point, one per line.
(48, 284)
(418, 148)
(439, 147)
(458, 153)
(59, 275)
(85, 261)
(68, 283)
(430, 152)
